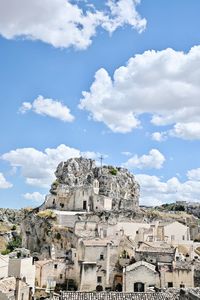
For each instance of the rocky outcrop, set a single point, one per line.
(41, 233)
(116, 183)
(11, 216)
(79, 180)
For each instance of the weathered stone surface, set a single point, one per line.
(40, 233)
(115, 183)
(11, 216)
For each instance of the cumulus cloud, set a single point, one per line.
(4, 184)
(64, 24)
(154, 191)
(35, 197)
(164, 84)
(154, 159)
(159, 136)
(38, 167)
(48, 107)
(186, 131)
(194, 174)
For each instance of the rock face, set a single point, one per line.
(11, 216)
(40, 233)
(95, 194)
(116, 185)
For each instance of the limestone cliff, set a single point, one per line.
(115, 183)
(81, 192)
(41, 233)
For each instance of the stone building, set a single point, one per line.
(4, 259)
(140, 277)
(81, 186)
(143, 276)
(55, 269)
(91, 235)
(177, 275)
(21, 265)
(98, 258)
(14, 289)
(155, 253)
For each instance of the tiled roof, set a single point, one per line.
(8, 284)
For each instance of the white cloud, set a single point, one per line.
(48, 107)
(4, 184)
(126, 153)
(38, 167)
(64, 24)
(123, 12)
(35, 196)
(159, 136)
(154, 159)
(164, 84)
(186, 131)
(155, 192)
(26, 106)
(194, 174)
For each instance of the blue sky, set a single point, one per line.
(141, 109)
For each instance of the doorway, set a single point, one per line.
(138, 287)
(84, 205)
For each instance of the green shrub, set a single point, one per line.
(14, 227)
(15, 243)
(5, 252)
(113, 171)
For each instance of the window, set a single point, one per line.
(183, 237)
(170, 284)
(22, 296)
(101, 256)
(56, 266)
(99, 279)
(182, 285)
(84, 205)
(172, 237)
(61, 276)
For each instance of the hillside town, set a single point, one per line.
(90, 239)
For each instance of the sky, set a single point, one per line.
(89, 78)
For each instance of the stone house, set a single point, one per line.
(155, 253)
(143, 276)
(98, 258)
(14, 289)
(56, 269)
(4, 265)
(21, 265)
(177, 275)
(140, 277)
(174, 232)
